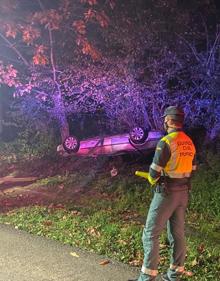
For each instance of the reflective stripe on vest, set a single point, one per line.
(178, 175)
(182, 153)
(156, 167)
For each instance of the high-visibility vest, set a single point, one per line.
(180, 164)
(181, 156)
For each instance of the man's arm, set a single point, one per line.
(161, 157)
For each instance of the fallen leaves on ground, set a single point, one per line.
(93, 232)
(163, 246)
(48, 223)
(74, 254)
(77, 213)
(135, 262)
(194, 262)
(104, 262)
(201, 248)
(56, 206)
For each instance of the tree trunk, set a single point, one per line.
(1, 116)
(61, 115)
(64, 130)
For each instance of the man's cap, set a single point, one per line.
(175, 112)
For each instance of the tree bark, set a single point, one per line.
(64, 130)
(59, 105)
(1, 115)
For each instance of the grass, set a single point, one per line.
(112, 223)
(114, 234)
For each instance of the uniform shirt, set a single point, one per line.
(174, 157)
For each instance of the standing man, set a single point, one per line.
(170, 172)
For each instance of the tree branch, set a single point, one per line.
(212, 51)
(206, 32)
(52, 55)
(41, 5)
(191, 47)
(12, 46)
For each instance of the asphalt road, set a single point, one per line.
(25, 257)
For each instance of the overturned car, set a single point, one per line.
(137, 140)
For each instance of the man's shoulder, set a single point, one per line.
(163, 142)
(167, 139)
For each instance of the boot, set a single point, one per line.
(153, 279)
(166, 278)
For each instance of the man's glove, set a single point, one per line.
(147, 176)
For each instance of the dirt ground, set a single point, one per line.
(19, 187)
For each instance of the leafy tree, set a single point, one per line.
(41, 41)
(125, 59)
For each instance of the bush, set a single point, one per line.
(28, 145)
(206, 187)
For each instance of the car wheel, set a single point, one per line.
(138, 135)
(71, 144)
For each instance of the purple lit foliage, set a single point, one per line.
(147, 58)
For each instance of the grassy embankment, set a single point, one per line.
(106, 215)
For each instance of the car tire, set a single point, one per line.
(138, 135)
(71, 144)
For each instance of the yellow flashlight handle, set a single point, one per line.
(142, 174)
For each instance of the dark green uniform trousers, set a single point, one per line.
(166, 208)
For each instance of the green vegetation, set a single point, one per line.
(206, 188)
(27, 145)
(109, 220)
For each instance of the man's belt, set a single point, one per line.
(161, 188)
(174, 181)
(167, 184)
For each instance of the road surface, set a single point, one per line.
(25, 257)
